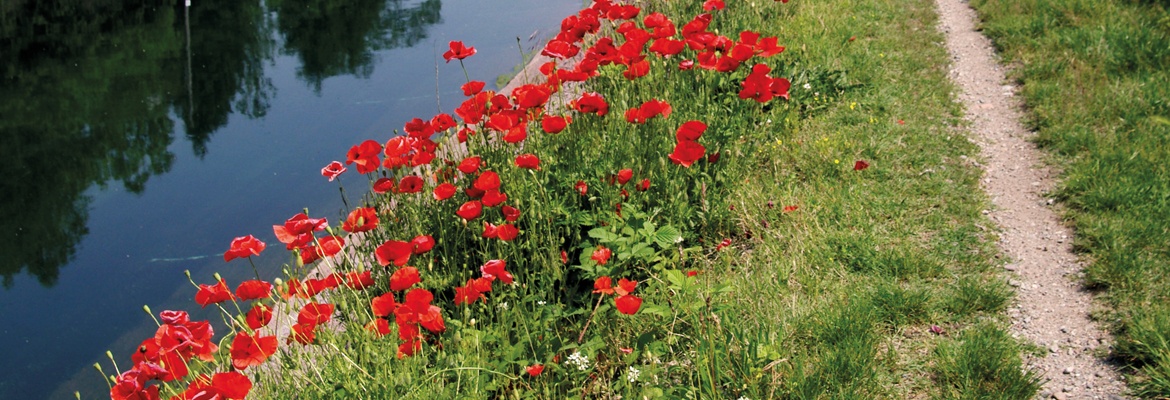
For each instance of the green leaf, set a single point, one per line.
(602, 234)
(667, 236)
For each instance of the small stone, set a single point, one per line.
(1053, 348)
(1068, 370)
(1099, 374)
(1044, 394)
(1060, 396)
(1068, 389)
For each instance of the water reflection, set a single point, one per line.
(339, 38)
(91, 93)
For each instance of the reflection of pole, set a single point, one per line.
(190, 91)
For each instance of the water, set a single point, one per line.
(136, 140)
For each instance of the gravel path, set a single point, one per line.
(1051, 310)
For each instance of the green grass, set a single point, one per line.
(833, 300)
(1096, 79)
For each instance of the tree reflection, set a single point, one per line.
(90, 90)
(334, 38)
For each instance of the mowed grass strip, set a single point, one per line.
(879, 284)
(1096, 79)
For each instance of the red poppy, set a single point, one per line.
(329, 247)
(333, 170)
(507, 232)
(690, 131)
(470, 210)
(535, 369)
(555, 124)
(422, 244)
(174, 317)
(410, 184)
(495, 269)
(314, 314)
(637, 70)
(444, 191)
(692, 273)
(404, 278)
(259, 316)
(297, 231)
(529, 96)
(365, 155)
(471, 88)
(212, 294)
(686, 153)
(408, 348)
(517, 134)
(528, 161)
(358, 281)
(384, 305)
(510, 214)
(603, 285)
(395, 251)
(628, 304)
(361, 220)
(487, 181)
(685, 65)
(625, 287)
(668, 47)
(713, 157)
(442, 122)
(494, 198)
(379, 327)
(581, 187)
(303, 334)
(790, 208)
(468, 294)
(383, 185)
(617, 12)
(252, 350)
(860, 165)
(564, 257)
(601, 255)
(711, 5)
(560, 49)
(767, 47)
(490, 231)
(458, 51)
(591, 102)
(245, 246)
(649, 109)
(469, 165)
(251, 290)
(645, 185)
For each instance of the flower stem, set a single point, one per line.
(586, 328)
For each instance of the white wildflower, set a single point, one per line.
(504, 305)
(581, 361)
(540, 303)
(743, 398)
(633, 374)
(807, 86)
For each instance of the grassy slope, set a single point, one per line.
(1097, 80)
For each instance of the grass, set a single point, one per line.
(777, 271)
(1096, 82)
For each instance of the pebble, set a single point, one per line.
(1060, 396)
(1068, 370)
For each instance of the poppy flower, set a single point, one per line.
(724, 243)
(470, 210)
(359, 280)
(444, 191)
(860, 165)
(494, 198)
(404, 278)
(245, 246)
(564, 257)
(251, 350)
(487, 181)
(507, 232)
(365, 155)
(554, 124)
(458, 51)
(408, 348)
(535, 369)
(251, 290)
(259, 316)
(174, 317)
(442, 122)
(767, 47)
(603, 285)
(685, 65)
(713, 157)
(314, 314)
(645, 185)
(379, 327)
(530, 96)
(790, 208)
(528, 161)
(690, 131)
(422, 244)
(490, 231)
(625, 286)
(510, 214)
(471, 88)
(333, 170)
(395, 251)
(581, 187)
(624, 176)
(711, 5)
(668, 47)
(686, 153)
(637, 70)
(410, 184)
(361, 220)
(495, 269)
(468, 294)
(212, 294)
(617, 13)
(383, 185)
(297, 231)
(628, 304)
(601, 255)
(692, 273)
(560, 49)
(591, 102)
(384, 305)
(303, 334)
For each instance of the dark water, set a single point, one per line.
(137, 138)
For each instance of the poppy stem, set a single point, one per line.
(523, 66)
(465, 76)
(586, 328)
(254, 270)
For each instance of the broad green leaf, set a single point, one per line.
(667, 236)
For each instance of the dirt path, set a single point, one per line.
(1051, 309)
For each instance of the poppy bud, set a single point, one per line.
(217, 277)
(188, 273)
(147, 309)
